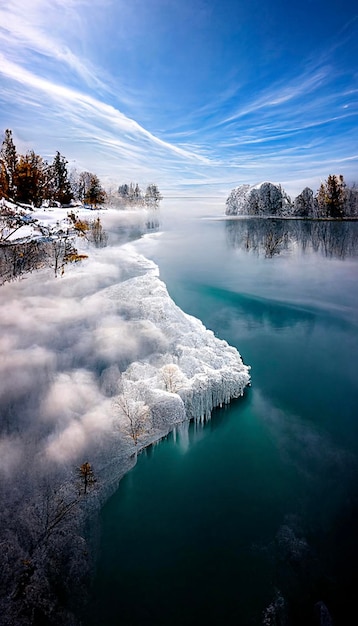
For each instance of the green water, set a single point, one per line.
(258, 507)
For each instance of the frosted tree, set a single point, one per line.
(172, 377)
(10, 222)
(137, 194)
(237, 201)
(272, 199)
(75, 183)
(264, 199)
(8, 162)
(152, 196)
(83, 183)
(135, 412)
(133, 195)
(97, 234)
(123, 191)
(305, 205)
(351, 201)
(253, 202)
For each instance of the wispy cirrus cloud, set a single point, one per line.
(37, 27)
(157, 91)
(81, 106)
(282, 93)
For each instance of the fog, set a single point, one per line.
(58, 338)
(63, 346)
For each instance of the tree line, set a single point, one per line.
(333, 200)
(29, 179)
(132, 194)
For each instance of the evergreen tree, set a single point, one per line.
(152, 195)
(137, 194)
(336, 195)
(331, 197)
(123, 190)
(321, 201)
(305, 204)
(95, 193)
(61, 187)
(8, 161)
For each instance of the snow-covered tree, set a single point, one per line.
(173, 377)
(135, 413)
(152, 196)
(132, 194)
(305, 204)
(123, 191)
(236, 203)
(89, 188)
(264, 199)
(351, 201)
(8, 163)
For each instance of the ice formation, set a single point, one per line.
(191, 371)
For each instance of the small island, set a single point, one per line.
(333, 200)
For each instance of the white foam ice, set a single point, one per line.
(192, 371)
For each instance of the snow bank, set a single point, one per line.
(201, 370)
(130, 339)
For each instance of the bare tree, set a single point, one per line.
(87, 476)
(97, 235)
(173, 377)
(135, 412)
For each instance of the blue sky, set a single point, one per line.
(196, 95)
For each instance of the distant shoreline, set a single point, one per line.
(283, 217)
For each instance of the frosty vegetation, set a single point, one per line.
(29, 179)
(334, 199)
(30, 241)
(132, 195)
(96, 364)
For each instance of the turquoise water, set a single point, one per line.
(251, 519)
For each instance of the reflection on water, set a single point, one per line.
(133, 226)
(252, 518)
(270, 237)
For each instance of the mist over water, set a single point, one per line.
(58, 336)
(252, 518)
